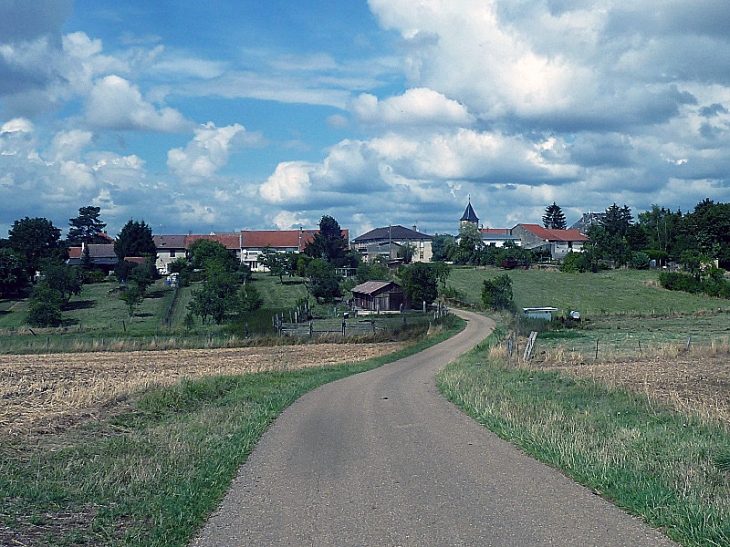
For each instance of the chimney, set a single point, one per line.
(415, 228)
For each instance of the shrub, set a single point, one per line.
(574, 263)
(44, 308)
(497, 293)
(640, 261)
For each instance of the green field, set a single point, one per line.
(624, 311)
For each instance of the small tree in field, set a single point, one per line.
(554, 219)
(497, 293)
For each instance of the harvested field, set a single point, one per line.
(47, 393)
(695, 383)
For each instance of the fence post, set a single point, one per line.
(344, 326)
(596, 350)
(311, 328)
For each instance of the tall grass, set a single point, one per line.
(647, 459)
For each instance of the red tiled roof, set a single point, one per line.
(74, 252)
(281, 239)
(229, 241)
(554, 235)
(277, 239)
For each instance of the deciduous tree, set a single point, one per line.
(35, 239)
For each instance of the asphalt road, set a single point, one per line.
(381, 459)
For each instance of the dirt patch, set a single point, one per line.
(48, 393)
(696, 383)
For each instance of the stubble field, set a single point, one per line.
(48, 393)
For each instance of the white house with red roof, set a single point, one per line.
(558, 242)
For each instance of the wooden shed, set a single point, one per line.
(378, 296)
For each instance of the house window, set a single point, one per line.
(570, 244)
(172, 254)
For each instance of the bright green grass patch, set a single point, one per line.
(151, 475)
(652, 462)
(615, 292)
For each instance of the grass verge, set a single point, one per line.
(150, 472)
(665, 467)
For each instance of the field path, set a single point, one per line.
(382, 459)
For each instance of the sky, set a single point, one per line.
(219, 116)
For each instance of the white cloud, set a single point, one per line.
(209, 151)
(417, 106)
(288, 220)
(289, 183)
(115, 103)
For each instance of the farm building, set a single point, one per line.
(378, 296)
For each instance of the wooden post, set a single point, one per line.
(344, 326)
(311, 328)
(596, 350)
(530, 344)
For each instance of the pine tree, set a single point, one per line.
(554, 219)
(86, 228)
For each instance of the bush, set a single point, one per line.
(44, 308)
(675, 281)
(497, 293)
(640, 261)
(94, 276)
(574, 263)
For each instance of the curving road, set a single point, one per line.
(381, 459)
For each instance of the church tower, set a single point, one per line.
(469, 217)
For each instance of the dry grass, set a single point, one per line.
(694, 381)
(47, 393)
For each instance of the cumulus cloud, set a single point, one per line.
(417, 106)
(117, 104)
(209, 151)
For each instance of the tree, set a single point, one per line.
(469, 247)
(135, 239)
(617, 220)
(86, 228)
(67, 280)
(406, 252)
(497, 293)
(329, 243)
(278, 264)
(420, 282)
(35, 239)
(325, 283)
(554, 219)
(216, 298)
(441, 246)
(12, 275)
(44, 306)
(210, 255)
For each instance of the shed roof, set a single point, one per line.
(372, 287)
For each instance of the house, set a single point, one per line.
(389, 241)
(586, 221)
(378, 296)
(558, 242)
(169, 249)
(283, 241)
(498, 237)
(101, 256)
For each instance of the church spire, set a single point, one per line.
(469, 216)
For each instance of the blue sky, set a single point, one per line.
(221, 116)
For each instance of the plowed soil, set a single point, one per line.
(47, 393)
